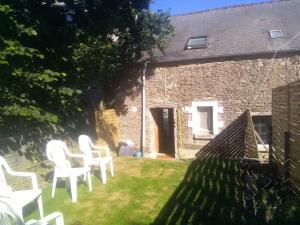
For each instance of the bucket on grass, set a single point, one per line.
(137, 155)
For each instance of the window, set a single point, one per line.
(204, 119)
(276, 34)
(196, 42)
(262, 125)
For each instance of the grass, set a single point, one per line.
(135, 195)
(200, 192)
(217, 191)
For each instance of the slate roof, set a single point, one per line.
(234, 31)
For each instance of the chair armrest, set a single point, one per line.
(26, 174)
(73, 155)
(5, 192)
(70, 154)
(57, 216)
(97, 153)
(80, 156)
(107, 152)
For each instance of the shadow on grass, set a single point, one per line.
(221, 191)
(63, 183)
(30, 208)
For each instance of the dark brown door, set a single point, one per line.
(164, 130)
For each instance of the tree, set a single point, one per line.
(69, 45)
(30, 93)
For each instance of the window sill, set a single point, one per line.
(204, 136)
(261, 148)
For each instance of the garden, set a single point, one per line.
(145, 191)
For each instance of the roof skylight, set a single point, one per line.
(276, 34)
(196, 42)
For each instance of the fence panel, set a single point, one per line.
(286, 131)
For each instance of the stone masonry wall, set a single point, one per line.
(233, 84)
(286, 130)
(124, 96)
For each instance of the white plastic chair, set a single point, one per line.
(86, 146)
(56, 152)
(10, 217)
(19, 198)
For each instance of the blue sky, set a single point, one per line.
(184, 6)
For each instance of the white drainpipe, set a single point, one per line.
(143, 106)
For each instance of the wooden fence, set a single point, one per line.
(286, 131)
(236, 141)
(107, 128)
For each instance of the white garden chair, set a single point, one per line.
(19, 198)
(56, 152)
(86, 146)
(8, 216)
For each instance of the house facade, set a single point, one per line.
(220, 63)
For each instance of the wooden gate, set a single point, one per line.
(107, 127)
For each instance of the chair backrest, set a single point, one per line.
(3, 164)
(8, 216)
(56, 153)
(85, 145)
(5, 190)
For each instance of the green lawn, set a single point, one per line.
(135, 195)
(201, 192)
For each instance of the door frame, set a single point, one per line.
(156, 129)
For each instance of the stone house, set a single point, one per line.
(219, 63)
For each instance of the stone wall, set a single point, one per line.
(124, 97)
(233, 84)
(286, 130)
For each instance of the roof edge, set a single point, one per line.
(230, 7)
(232, 56)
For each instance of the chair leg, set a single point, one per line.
(19, 211)
(103, 172)
(73, 184)
(89, 180)
(4, 219)
(84, 177)
(40, 205)
(54, 184)
(111, 168)
(17, 208)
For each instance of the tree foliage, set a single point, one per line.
(52, 51)
(25, 80)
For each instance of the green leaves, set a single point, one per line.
(29, 90)
(115, 34)
(156, 30)
(50, 66)
(29, 113)
(47, 63)
(6, 10)
(13, 48)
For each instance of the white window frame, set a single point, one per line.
(275, 34)
(189, 46)
(261, 147)
(195, 112)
